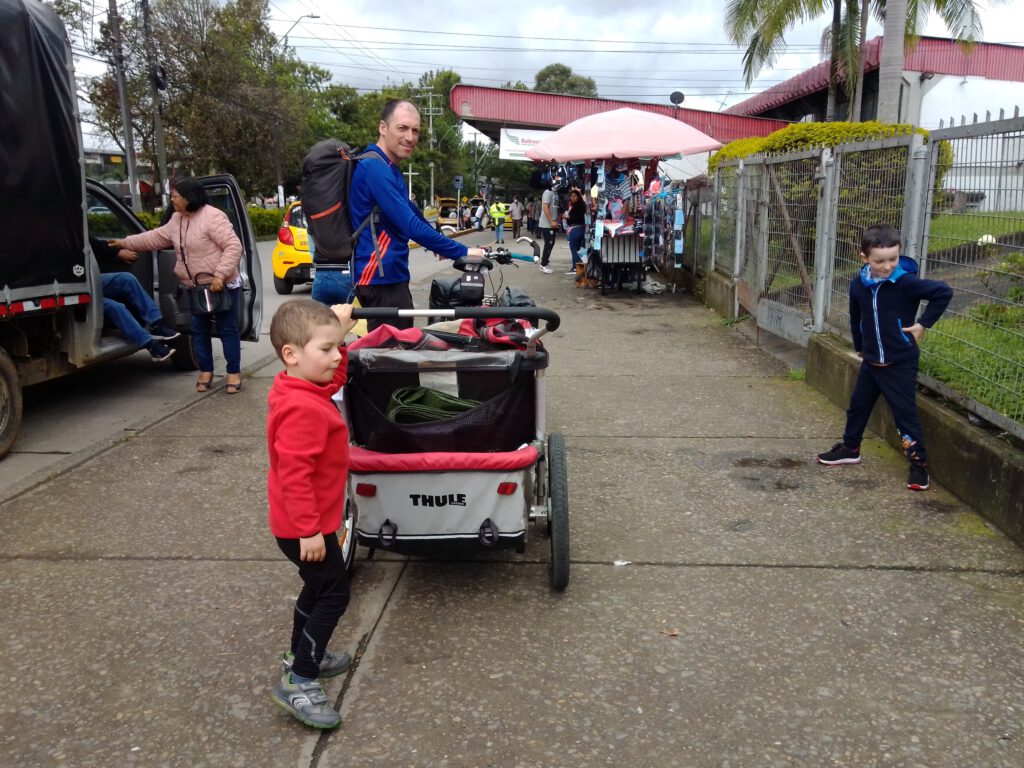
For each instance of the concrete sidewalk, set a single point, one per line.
(772, 612)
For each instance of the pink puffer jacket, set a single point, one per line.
(211, 244)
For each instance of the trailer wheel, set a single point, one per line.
(558, 511)
(184, 358)
(348, 530)
(10, 403)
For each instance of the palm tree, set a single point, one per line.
(890, 64)
(762, 24)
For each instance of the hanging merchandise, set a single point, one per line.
(678, 228)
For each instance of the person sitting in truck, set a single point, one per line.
(125, 301)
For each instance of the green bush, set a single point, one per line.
(266, 222)
(150, 220)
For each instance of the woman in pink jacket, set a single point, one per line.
(205, 242)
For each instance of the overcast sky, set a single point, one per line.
(638, 51)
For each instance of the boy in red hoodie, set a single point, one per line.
(308, 444)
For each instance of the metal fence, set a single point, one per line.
(787, 231)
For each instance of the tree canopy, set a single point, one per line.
(227, 80)
(559, 78)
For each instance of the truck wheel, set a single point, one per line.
(283, 285)
(10, 403)
(184, 358)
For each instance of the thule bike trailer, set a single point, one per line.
(449, 453)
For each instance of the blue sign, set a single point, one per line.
(458, 182)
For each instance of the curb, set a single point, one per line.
(79, 457)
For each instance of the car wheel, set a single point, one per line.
(283, 285)
(10, 403)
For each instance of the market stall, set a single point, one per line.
(613, 157)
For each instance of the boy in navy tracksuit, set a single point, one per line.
(884, 299)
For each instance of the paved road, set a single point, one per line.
(101, 405)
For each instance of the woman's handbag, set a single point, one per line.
(204, 300)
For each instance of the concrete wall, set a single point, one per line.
(720, 294)
(983, 470)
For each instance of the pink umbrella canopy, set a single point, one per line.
(622, 133)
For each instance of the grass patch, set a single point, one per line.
(797, 374)
(954, 228)
(982, 361)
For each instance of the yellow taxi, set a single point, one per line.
(291, 260)
(448, 212)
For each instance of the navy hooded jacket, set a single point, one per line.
(881, 309)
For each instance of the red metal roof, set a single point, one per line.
(547, 111)
(932, 54)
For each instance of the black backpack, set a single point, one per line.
(326, 175)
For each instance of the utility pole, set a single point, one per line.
(410, 173)
(122, 96)
(155, 84)
(276, 126)
(431, 111)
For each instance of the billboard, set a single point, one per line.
(515, 141)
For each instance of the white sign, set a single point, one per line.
(515, 141)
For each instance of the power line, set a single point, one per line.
(531, 38)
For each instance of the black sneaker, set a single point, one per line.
(159, 351)
(917, 478)
(162, 332)
(839, 454)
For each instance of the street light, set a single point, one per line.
(273, 95)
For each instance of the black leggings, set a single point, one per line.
(320, 604)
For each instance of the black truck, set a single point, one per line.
(51, 301)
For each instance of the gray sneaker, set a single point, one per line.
(331, 665)
(306, 702)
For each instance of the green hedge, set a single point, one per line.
(265, 221)
(801, 136)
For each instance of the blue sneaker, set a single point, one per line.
(159, 351)
(162, 332)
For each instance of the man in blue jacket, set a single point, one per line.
(884, 299)
(380, 265)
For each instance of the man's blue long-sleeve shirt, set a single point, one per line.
(380, 184)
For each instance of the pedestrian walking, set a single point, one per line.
(515, 213)
(884, 298)
(498, 217)
(548, 224)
